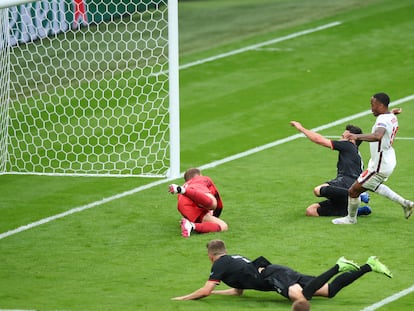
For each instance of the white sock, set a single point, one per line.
(390, 194)
(353, 204)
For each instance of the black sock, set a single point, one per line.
(345, 279)
(318, 282)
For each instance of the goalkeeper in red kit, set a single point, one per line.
(199, 203)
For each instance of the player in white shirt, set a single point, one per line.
(382, 161)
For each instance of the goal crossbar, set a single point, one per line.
(9, 3)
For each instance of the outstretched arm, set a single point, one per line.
(376, 136)
(230, 291)
(313, 136)
(202, 292)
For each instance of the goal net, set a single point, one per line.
(86, 88)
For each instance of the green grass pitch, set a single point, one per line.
(128, 254)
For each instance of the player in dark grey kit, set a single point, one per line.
(349, 167)
(240, 273)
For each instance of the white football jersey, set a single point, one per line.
(383, 159)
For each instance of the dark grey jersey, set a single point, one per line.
(238, 272)
(349, 159)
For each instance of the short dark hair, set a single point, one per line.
(354, 130)
(382, 98)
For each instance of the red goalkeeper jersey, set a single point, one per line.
(205, 184)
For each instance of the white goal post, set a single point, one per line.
(89, 88)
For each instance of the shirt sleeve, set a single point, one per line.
(337, 145)
(382, 121)
(216, 272)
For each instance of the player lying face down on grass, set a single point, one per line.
(240, 273)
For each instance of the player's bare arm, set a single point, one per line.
(313, 136)
(230, 291)
(376, 136)
(202, 292)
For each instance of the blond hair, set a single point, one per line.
(191, 172)
(216, 247)
(301, 305)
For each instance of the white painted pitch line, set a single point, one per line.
(206, 166)
(254, 46)
(396, 138)
(82, 208)
(389, 299)
(404, 138)
(274, 49)
(259, 45)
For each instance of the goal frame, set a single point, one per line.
(173, 90)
